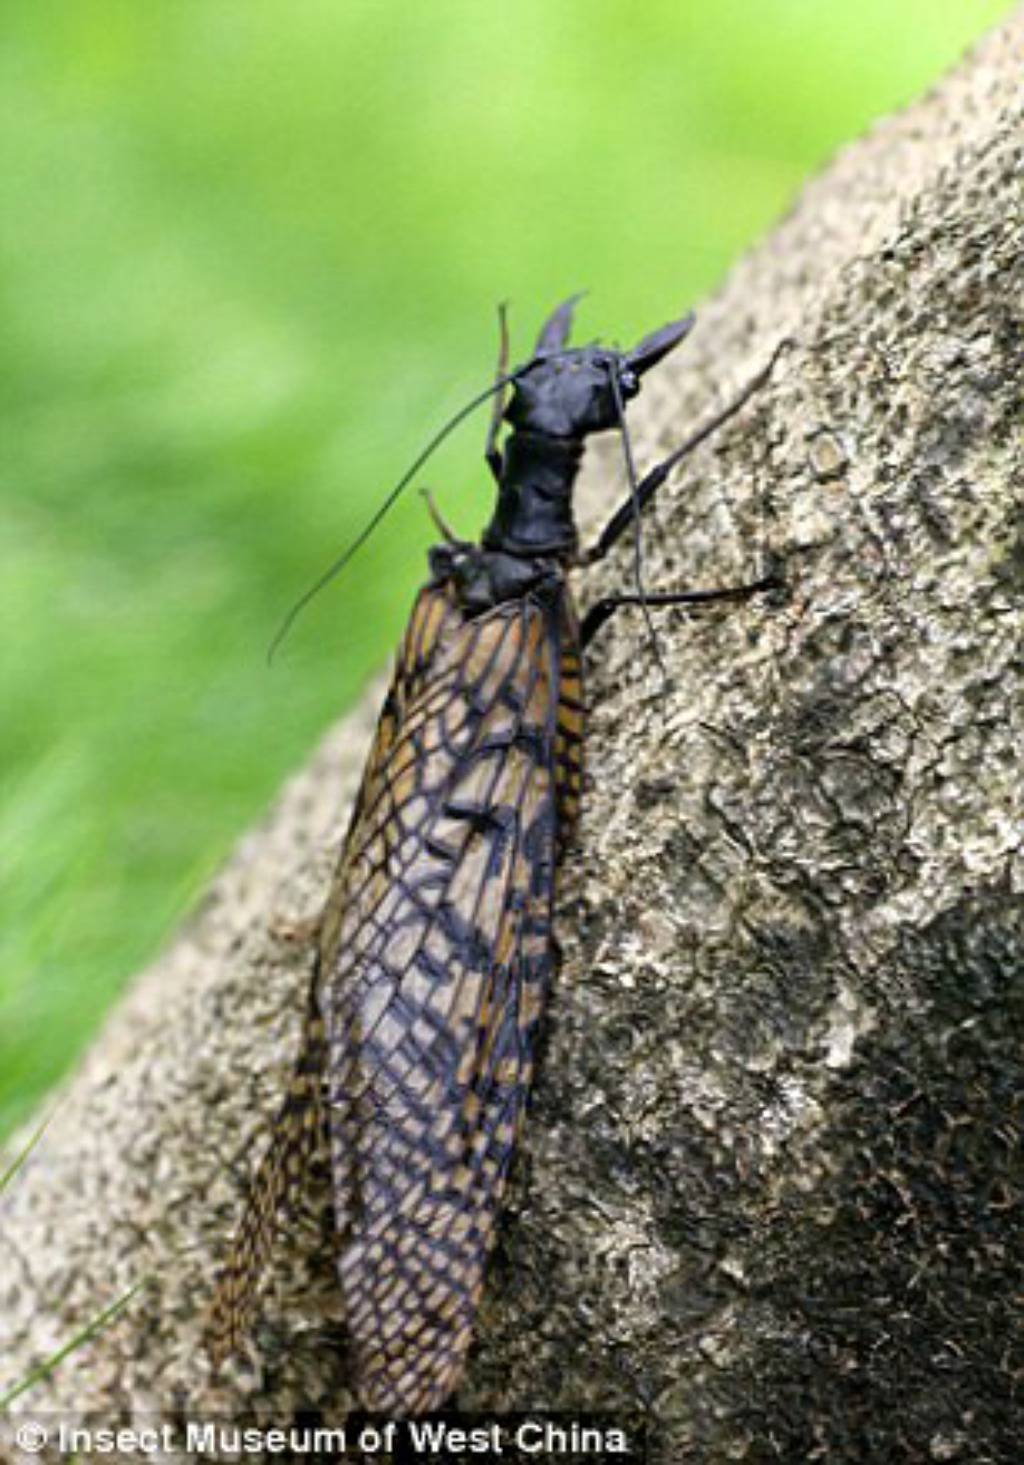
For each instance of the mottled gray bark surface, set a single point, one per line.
(772, 1180)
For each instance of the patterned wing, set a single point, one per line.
(569, 741)
(435, 965)
(298, 1134)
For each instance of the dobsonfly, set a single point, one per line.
(435, 949)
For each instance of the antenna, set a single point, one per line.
(392, 498)
(638, 570)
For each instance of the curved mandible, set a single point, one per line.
(555, 330)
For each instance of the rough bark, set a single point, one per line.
(771, 1186)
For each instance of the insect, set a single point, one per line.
(435, 950)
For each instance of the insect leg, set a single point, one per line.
(491, 451)
(652, 481)
(603, 609)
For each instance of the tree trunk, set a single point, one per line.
(770, 1188)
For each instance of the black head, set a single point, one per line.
(561, 395)
(569, 393)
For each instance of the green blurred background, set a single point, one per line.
(251, 252)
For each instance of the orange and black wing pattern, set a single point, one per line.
(299, 1132)
(434, 962)
(433, 981)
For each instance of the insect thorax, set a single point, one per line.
(484, 578)
(533, 514)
